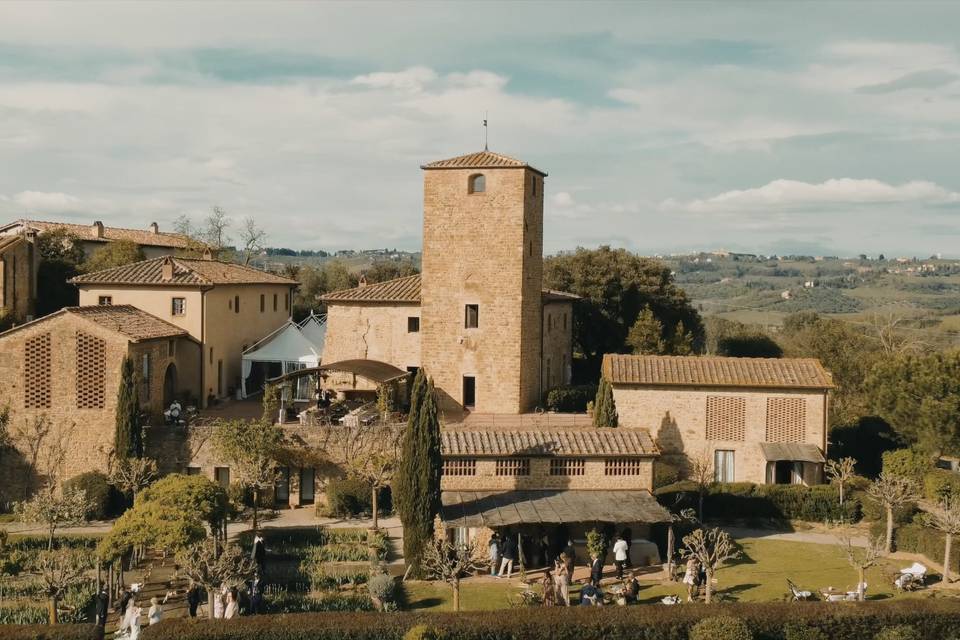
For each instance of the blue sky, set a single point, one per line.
(768, 127)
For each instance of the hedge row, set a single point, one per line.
(914, 538)
(571, 398)
(47, 632)
(839, 621)
(736, 500)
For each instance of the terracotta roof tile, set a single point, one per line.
(407, 290)
(480, 160)
(713, 371)
(569, 442)
(9, 241)
(128, 320)
(144, 237)
(186, 272)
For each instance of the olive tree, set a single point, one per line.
(450, 563)
(712, 548)
(58, 570)
(54, 511)
(893, 492)
(945, 517)
(211, 564)
(840, 472)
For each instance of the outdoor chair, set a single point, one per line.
(797, 593)
(853, 596)
(911, 578)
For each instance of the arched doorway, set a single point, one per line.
(169, 385)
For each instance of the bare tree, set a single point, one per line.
(862, 558)
(214, 231)
(701, 472)
(712, 548)
(252, 238)
(59, 570)
(840, 472)
(893, 492)
(450, 563)
(885, 329)
(252, 447)
(366, 451)
(130, 475)
(945, 517)
(45, 447)
(210, 564)
(54, 511)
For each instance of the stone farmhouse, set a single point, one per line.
(155, 243)
(761, 420)
(18, 277)
(60, 375)
(223, 306)
(476, 318)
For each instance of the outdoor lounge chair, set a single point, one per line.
(911, 578)
(797, 593)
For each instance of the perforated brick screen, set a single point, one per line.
(459, 467)
(726, 418)
(786, 419)
(622, 467)
(566, 466)
(91, 371)
(36, 374)
(513, 466)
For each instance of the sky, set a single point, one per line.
(811, 127)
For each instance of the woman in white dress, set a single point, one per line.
(233, 608)
(219, 602)
(155, 614)
(135, 623)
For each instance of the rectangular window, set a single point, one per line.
(549, 322)
(145, 375)
(459, 467)
(178, 306)
(193, 471)
(513, 467)
(622, 467)
(413, 324)
(219, 377)
(566, 466)
(726, 418)
(221, 476)
(105, 300)
(471, 316)
(263, 302)
(723, 466)
(274, 302)
(564, 322)
(469, 391)
(236, 304)
(172, 349)
(211, 355)
(281, 493)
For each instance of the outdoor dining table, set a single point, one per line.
(830, 592)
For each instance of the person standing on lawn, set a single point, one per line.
(596, 570)
(509, 555)
(691, 578)
(620, 551)
(494, 554)
(562, 579)
(102, 601)
(193, 599)
(570, 559)
(259, 553)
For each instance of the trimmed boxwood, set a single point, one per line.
(103, 499)
(838, 621)
(47, 632)
(914, 538)
(571, 398)
(736, 500)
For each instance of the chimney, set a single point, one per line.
(166, 272)
(207, 254)
(363, 281)
(154, 228)
(97, 229)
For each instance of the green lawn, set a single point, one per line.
(760, 576)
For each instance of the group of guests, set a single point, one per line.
(131, 613)
(694, 576)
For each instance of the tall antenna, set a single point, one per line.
(486, 133)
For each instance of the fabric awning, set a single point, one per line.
(798, 452)
(502, 509)
(373, 370)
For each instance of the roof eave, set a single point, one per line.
(427, 167)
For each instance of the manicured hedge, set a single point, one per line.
(913, 538)
(838, 621)
(736, 500)
(940, 483)
(571, 398)
(47, 632)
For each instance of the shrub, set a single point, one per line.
(348, 497)
(301, 603)
(46, 632)
(422, 632)
(940, 483)
(571, 398)
(899, 632)
(800, 631)
(383, 589)
(721, 628)
(102, 498)
(665, 474)
(914, 538)
(745, 500)
(909, 463)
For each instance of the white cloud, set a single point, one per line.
(412, 79)
(794, 194)
(46, 202)
(562, 199)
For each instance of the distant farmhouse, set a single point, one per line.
(152, 241)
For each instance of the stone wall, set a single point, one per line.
(17, 279)
(484, 249)
(677, 418)
(557, 344)
(593, 477)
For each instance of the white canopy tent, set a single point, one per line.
(290, 348)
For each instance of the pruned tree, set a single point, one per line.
(212, 564)
(840, 472)
(252, 238)
(712, 548)
(945, 517)
(251, 447)
(58, 570)
(370, 452)
(130, 475)
(862, 558)
(893, 492)
(701, 472)
(450, 563)
(45, 447)
(54, 511)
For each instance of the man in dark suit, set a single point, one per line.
(103, 601)
(596, 570)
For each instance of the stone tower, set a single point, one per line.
(482, 277)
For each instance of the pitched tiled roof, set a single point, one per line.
(186, 272)
(713, 371)
(9, 241)
(128, 320)
(144, 237)
(407, 290)
(569, 442)
(480, 160)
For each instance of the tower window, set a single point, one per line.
(477, 183)
(471, 316)
(533, 184)
(263, 302)
(413, 324)
(236, 304)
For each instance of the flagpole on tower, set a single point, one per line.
(486, 133)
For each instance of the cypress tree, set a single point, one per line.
(416, 486)
(605, 409)
(128, 437)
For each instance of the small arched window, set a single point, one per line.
(477, 184)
